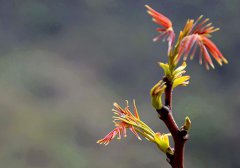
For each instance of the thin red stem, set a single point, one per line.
(179, 136)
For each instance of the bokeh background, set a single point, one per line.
(64, 62)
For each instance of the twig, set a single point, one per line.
(180, 136)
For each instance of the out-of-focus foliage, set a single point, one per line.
(63, 63)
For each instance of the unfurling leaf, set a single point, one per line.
(156, 94)
(179, 69)
(162, 141)
(165, 68)
(181, 81)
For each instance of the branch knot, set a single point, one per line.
(164, 112)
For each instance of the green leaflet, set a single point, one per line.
(181, 81)
(156, 94)
(162, 141)
(165, 68)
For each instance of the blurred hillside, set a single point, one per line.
(64, 62)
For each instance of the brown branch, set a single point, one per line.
(180, 136)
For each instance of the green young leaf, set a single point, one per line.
(156, 94)
(162, 141)
(181, 81)
(165, 68)
(179, 69)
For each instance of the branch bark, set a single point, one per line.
(180, 136)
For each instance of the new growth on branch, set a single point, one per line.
(194, 39)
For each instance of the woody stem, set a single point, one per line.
(179, 136)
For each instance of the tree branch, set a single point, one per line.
(180, 136)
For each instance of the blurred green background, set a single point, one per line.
(63, 63)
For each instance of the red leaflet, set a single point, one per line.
(214, 50)
(159, 18)
(166, 33)
(123, 121)
(197, 35)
